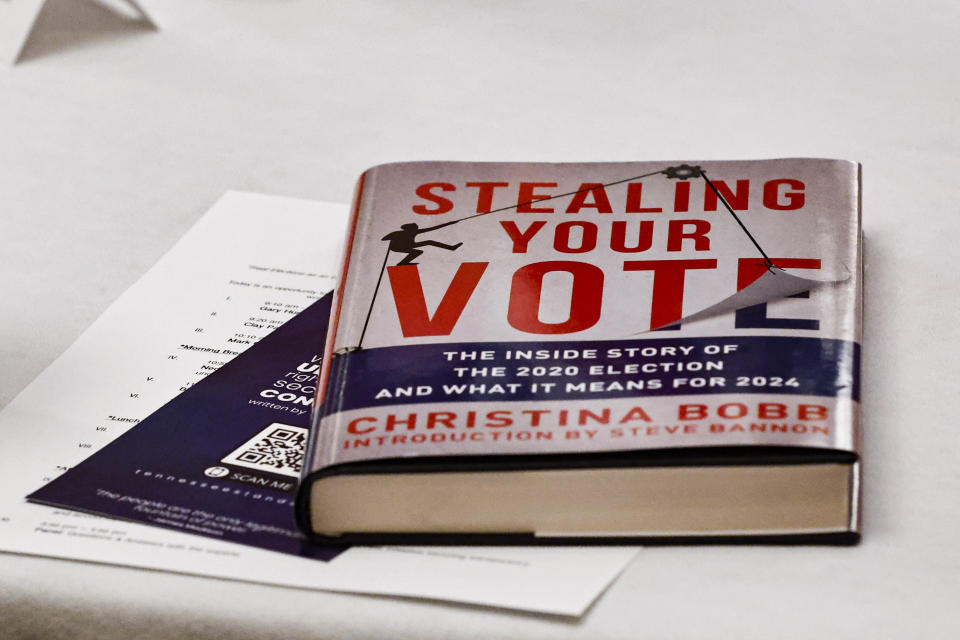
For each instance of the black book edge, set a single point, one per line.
(684, 457)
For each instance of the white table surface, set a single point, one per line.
(115, 138)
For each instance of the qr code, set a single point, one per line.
(276, 449)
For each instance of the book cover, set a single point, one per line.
(222, 459)
(518, 316)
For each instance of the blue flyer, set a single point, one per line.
(223, 458)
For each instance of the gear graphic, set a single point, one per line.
(684, 172)
(345, 350)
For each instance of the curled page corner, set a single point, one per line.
(774, 284)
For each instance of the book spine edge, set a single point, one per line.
(332, 325)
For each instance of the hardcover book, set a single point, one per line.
(652, 351)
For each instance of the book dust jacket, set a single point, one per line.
(530, 309)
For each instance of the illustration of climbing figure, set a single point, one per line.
(404, 240)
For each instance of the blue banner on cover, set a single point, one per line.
(515, 371)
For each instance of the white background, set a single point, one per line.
(115, 138)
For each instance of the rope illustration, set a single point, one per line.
(376, 290)
(766, 258)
